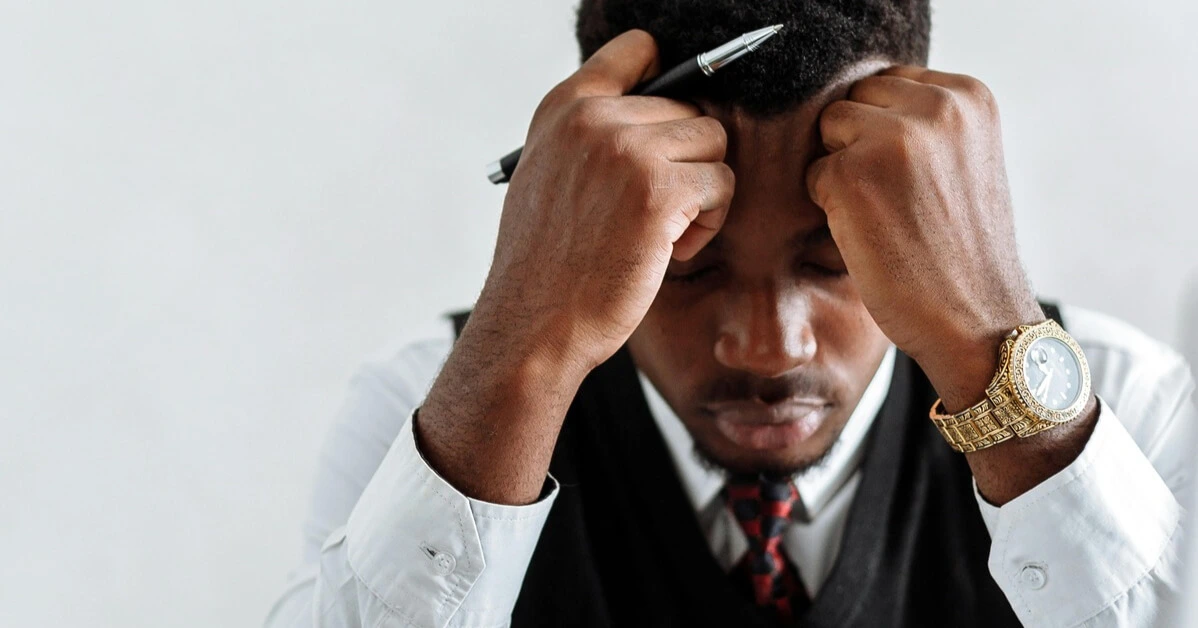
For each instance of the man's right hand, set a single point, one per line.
(608, 189)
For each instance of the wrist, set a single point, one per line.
(521, 353)
(960, 373)
(491, 419)
(964, 363)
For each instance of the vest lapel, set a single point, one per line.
(871, 517)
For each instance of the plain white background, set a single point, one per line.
(210, 213)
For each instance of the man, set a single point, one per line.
(695, 388)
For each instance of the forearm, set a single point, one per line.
(491, 419)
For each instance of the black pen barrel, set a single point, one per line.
(668, 84)
(507, 165)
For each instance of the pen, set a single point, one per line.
(705, 64)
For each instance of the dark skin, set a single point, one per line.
(877, 212)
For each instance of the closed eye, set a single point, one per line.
(824, 271)
(692, 276)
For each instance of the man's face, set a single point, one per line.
(761, 343)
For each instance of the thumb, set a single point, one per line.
(620, 65)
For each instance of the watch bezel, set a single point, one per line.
(1022, 343)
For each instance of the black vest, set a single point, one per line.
(622, 545)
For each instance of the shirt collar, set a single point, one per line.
(816, 485)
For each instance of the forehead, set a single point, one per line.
(770, 157)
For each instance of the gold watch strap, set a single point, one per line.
(976, 428)
(985, 424)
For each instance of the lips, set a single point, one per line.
(760, 426)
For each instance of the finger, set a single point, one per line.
(819, 183)
(701, 139)
(704, 210)
(924, 75)
(692, 241)
(884, 91)
(617, 67)
(936, 89)
(841, 123)
(652, 109)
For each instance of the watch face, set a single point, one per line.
(1053, 373)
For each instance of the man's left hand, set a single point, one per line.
(916, 194)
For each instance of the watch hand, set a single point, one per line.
(1042, 389)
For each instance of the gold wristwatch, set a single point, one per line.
(1043, 380)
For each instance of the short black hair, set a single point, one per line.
(821, 38)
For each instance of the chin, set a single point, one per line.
(790, 460)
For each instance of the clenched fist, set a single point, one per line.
(915, 191)
(608, 189)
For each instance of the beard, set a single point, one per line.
(711, 462)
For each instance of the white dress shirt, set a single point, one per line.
(388, 542)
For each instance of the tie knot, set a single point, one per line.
(761, 503)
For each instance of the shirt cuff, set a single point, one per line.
(431, 554)
(1077, 542)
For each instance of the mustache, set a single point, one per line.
(746, 387)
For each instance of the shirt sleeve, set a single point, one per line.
(1098, 544)
(412, 551)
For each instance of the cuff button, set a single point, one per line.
(1033, 577)
(444, 564)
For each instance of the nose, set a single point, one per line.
(767, 332)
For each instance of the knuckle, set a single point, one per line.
(980, 93)
(834, 168)
(835, 114)
(859, 88)
(949, 106)
(846, 163)
(705, 132)
(548, 104)
(658, 178)
(644, 39)
(836, 110)
(725, 184)
(561, 95)
(683, 131)
(944, 102)
(727, 177)
(623, 143)
(970, 85)
(717, 132)
(704, 181)
(591, 110)
(904, 146)
(674, 184)
(816, 182)
(656, 190)
(585, 115)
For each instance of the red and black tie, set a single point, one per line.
(762, 505)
